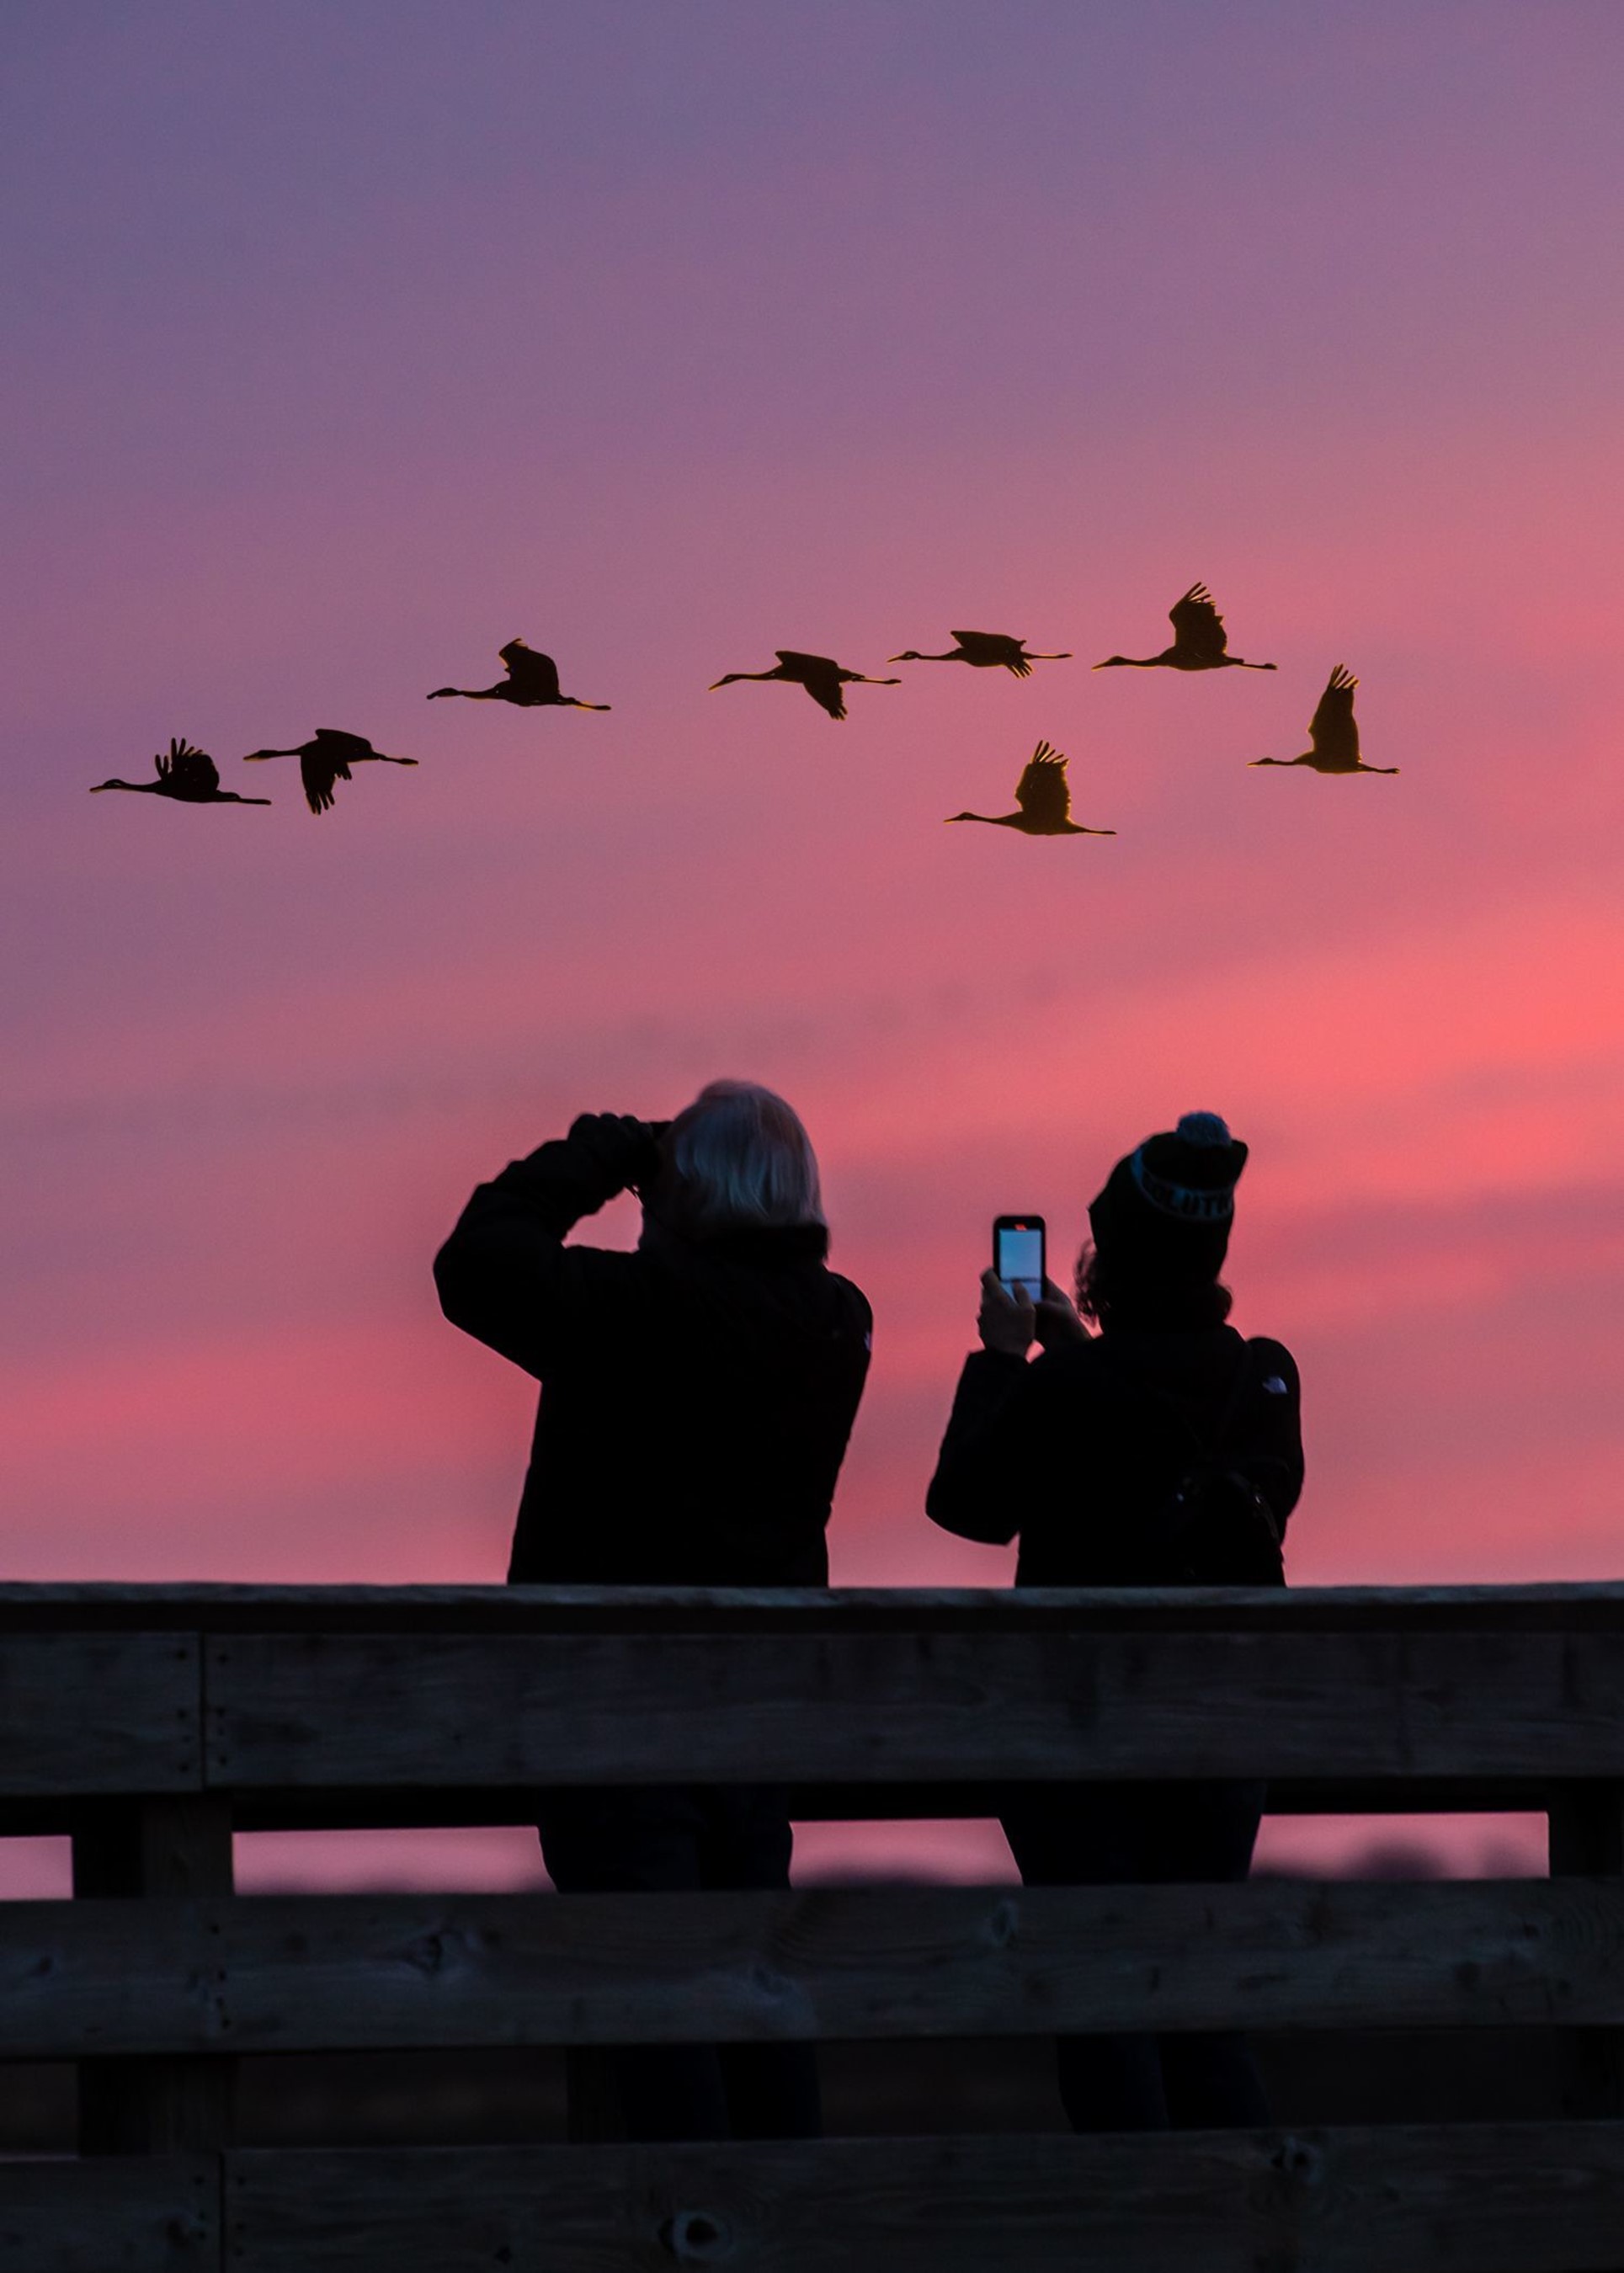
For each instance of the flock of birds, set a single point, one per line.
(1042, 796)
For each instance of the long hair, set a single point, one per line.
(1115, 1294)
(737, 1156)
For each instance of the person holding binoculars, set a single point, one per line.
(696, 1396)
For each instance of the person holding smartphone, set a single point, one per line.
(1162, 1450)
(696, 1396)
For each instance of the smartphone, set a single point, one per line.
(1018, 1254)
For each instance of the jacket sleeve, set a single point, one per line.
(505, 1275)
(1274, 1462)
(983, 1480)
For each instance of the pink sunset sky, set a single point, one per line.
(345, 342)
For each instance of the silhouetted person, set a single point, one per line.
(697, 1398)
(820, 674)
(188, 774)
(1042, 801)
(1332, 733)
(532, 683)
(1165, 1451)
(987, 651)
(1199, 641)
(326, 758)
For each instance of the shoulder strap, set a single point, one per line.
(1232, 1402)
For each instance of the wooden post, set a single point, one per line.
(1587, 1839)
(177, 1845)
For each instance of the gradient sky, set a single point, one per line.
(344, 342)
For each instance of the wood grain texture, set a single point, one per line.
(142, 1854)
(1493, 2198)
(142, 2214)
(505, 1710)
(315, 1973)
(98, 1712)
(339, 1807)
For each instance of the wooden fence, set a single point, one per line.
(151, 1722)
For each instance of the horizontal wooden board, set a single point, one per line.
(908, 1961)
(329, 1973)
(124, 2214)
(574, 1708)
(337, 1807)
(1493, 2198)
(99, 1712)
(223, 1607)
(405, 1807)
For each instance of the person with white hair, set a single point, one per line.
(696, 1398)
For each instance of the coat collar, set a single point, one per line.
(764, 1246)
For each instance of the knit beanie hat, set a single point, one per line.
(1166, 1210)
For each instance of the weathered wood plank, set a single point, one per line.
(1494, 2198)
(36, 1606)
(403, 1806)
(290, 1710)
(339, 1807)
(946, 1962)
(87, 1713)
(332, 1973)
(138, 1855)
(143, 2214)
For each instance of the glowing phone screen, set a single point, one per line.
(1020, 1260)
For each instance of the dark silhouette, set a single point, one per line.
(326, 758)
(532, 683)
(1333, 731)
(987, 651)
(820, 674)
(1164, 1450)
(189, 776)
(1199, 641)
(697, 1398)
(1042, 798)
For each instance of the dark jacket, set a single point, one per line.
(1080, 1449)
(696, 1394)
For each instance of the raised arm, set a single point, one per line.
(994, 1457)
(505, 1275)
(976, 1492)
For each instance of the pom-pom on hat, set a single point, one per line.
(1190, 1174)
(1166, 1210)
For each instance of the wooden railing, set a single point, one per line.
(151, 1722)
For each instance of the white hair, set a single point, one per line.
(738, 1156)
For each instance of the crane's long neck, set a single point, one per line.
(475, 694)
(255, 756)
(100, 786)
(1129, 662)
(991, 820)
